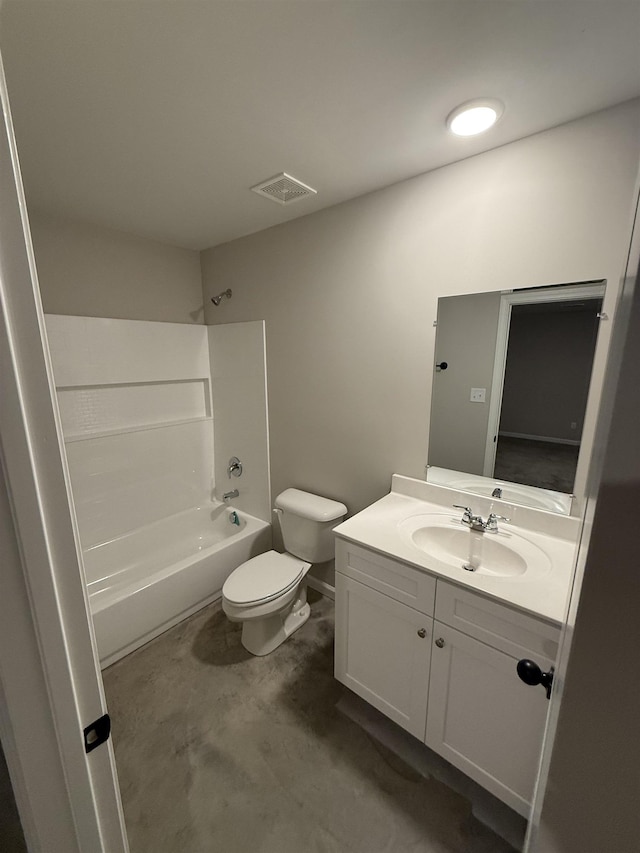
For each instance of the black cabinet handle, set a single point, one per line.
(531, 674)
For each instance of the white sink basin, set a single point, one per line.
(503, 554)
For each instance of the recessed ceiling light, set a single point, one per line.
(474, 117)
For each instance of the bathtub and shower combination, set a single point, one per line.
(150, 413)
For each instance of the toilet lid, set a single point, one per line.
(263, 577)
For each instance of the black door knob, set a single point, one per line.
(531, 674)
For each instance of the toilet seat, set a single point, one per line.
(263, 578)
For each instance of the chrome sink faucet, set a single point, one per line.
(476, 522)
(234, 493)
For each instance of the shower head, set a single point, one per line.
(218, 299)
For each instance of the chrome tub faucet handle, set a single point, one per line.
(234, 467)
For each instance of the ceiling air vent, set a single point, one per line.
(284, 189)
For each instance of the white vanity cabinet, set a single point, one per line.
(455, 688)
(482, 718)
(384, 633)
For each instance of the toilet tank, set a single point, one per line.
(307, 522)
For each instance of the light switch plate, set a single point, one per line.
(478, 395)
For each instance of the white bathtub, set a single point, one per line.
(150, 579)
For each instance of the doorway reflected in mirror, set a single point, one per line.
(546, 382)
(511, 404)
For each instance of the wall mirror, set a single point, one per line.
(512, 375)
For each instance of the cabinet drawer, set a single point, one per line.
(496, 624)
(397, 580)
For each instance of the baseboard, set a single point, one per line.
(546, 438)
(327, 589)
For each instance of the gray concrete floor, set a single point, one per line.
(221, 751)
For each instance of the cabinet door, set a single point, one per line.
(383, 652)
(482, 718)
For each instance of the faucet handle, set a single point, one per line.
(234, 467)
(492, 522)
(467, 518)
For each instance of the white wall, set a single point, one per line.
(92, 271)
(349, 294)
(239, 393)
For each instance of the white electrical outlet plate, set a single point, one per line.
(478, 395)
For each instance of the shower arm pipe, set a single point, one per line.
(218, 299)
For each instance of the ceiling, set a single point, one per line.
(156, 117)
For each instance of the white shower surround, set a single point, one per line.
(138, 418)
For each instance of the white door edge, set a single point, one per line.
(45, 619)
(630, 284)
(497, 384)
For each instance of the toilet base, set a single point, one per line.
(263, 636)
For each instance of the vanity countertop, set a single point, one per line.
(544, 595)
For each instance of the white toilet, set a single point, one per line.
(268, 593)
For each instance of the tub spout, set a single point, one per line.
(230, 495)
